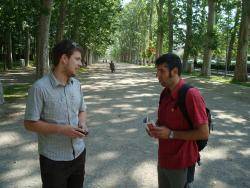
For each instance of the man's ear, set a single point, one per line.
(64, 59)
(174, 71)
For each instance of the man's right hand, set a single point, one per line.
(147, 130)
(72, 132)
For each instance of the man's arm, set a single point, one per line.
(50, 128)
(82, 120)
(201, 133)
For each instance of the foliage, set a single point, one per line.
(16, 91)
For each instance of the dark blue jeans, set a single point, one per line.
(63, 174)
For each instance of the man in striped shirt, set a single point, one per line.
(56, 111)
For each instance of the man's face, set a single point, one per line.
(74, 63)
(163, 75)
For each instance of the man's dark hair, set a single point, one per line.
(66, 47)
(171, 61)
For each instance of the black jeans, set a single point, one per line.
(63, 174)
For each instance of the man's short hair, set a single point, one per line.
(171, 61)
(66, 47)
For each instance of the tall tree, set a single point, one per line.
(170, 26)
(206, 67)
(42, 59)
(188, 42)
(9, 51)
(27, 52)
(61, 20)
(151, 11)
(233, 35)
(240, 73)
(160, 28)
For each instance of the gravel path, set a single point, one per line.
(119, 153)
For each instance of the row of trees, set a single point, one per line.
(203, 28)
(29, 28)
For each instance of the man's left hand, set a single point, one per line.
(84, 127)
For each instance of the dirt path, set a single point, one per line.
(119, 153)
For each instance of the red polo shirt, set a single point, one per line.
(176, 153)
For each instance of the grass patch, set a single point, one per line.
(246, 84)
(194, 73)
(220, 79)
(83, 70)
(17, 65)
(16, 91)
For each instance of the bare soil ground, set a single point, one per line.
(119, 153)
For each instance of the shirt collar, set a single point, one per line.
(174, 93)
(56, 82)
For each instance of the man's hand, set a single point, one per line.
(84, 128)
(159, 132)
(147, 130)
(71, 132)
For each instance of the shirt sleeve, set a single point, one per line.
(83, 106)
(196, 107)
(34, 104)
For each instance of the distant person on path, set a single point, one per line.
(56, 111)
(112, 66)
(178, 151)
(1, 93)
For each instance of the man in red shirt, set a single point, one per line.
(177, 142)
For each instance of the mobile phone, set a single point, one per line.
(83, 132)
(148, 123)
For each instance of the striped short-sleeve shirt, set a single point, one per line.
(49, 100)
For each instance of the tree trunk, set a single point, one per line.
(27, 54)
(90, 57)
(170, 26)
(9, 52)
(43, 38)
(5, 57)
(188, 42)
(233, 35)
(61, 20)
(240, 73)
(206, 67)
(160, 28)
(150, 21)
(150, 32)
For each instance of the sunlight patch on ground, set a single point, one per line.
(231, 133)
(134, 81)
(126, 106)
(8, 122)
(245, 153)
(232, 118)
(9, 138)
(131, 130)
(30, 181)
(108, 155)
(140, 95)
(144, 173)
(103, 110)
(216, 154)
(29, 147)
(237, 92)
(218, 184)
(16, 172)
(141, 109)
(119, 120)
(110, 179)
(22, 163)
